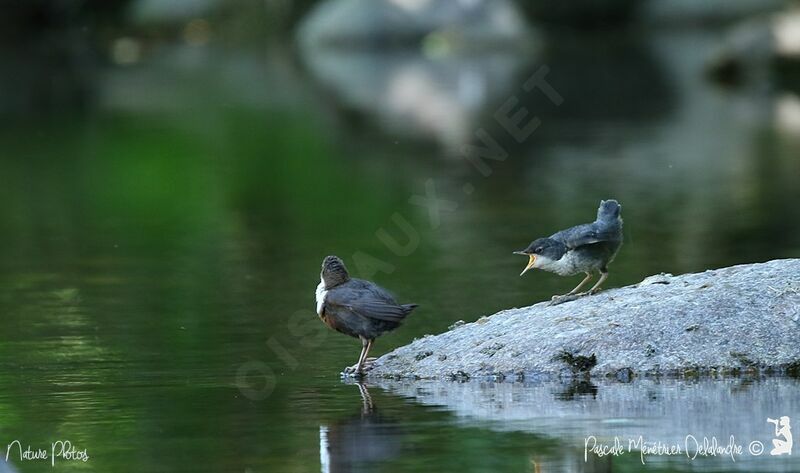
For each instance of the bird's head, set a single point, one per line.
(542, 252)
(608, 210)
(333, 272)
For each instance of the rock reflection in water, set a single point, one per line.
(663, 411)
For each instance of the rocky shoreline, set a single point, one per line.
(744, 318)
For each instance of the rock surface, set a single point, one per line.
(721, 321)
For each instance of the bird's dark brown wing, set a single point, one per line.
(381, 311)
(368, 300)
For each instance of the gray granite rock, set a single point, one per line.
(742, 318)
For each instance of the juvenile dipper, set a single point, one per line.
(580, 249)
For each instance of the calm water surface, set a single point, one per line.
(160, 245)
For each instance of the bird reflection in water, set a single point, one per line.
(569, 458)
(360, 442)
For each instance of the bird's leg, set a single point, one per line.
(596, 288)
(584, 281)
(573, 294)
(360, 365)
(363, 361)
(367, 362)
(357, 367)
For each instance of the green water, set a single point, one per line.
(160, 246)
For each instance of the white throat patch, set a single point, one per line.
(566, 266)
(321, 293)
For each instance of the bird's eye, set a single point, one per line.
(538, 250)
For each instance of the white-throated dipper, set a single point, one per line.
(580, 249)
(355, 307)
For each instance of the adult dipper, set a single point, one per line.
(580, 249)
(355, 307)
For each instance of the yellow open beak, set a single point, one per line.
(530, 264)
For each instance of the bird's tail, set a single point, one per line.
(407, 308)
(608, 210)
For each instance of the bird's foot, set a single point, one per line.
(354, 371)
(590, 292)
(556, 300)
(368, 364)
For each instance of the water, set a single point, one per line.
(160, 244)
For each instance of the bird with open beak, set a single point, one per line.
(580, 249)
